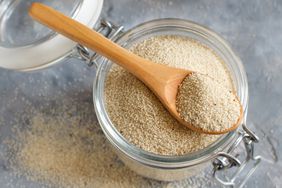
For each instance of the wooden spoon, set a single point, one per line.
(161, 79)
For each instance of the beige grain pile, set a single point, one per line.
(206, 104)
(138, 114)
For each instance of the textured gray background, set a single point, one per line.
(252, 27)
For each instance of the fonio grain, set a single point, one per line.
(206, 104)
(137, 113)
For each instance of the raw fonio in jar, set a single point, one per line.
(138, 114)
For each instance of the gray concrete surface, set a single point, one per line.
(253, 28)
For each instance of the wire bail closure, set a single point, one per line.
(109, 30)
(224, 161)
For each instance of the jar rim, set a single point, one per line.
(145, 157)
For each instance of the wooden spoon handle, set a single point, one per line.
(88, 37)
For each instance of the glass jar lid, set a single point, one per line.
(26, 44)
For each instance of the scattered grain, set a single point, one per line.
(61, 151)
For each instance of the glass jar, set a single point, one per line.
(48, 48)
(169, 168)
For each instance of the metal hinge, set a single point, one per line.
(109, 30)
(235, 172)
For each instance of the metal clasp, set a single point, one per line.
(226, 162)
(109, 30)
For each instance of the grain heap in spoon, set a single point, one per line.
(207, 104)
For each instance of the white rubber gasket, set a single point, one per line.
(53, 50)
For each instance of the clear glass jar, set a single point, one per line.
(160, 167)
